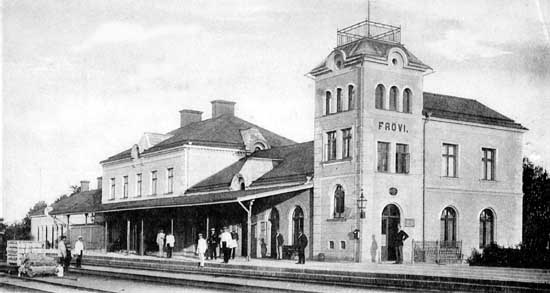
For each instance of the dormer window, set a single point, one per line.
(238, 183)
(338, 61)
(259, 146)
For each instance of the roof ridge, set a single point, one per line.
(451, 96)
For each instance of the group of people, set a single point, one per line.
(64, 252)
(226, 241)
(300, 246)
(167, 241)
(206, 248)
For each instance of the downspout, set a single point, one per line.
(427, 116)
(358, 157)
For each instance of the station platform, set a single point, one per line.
(456, 277)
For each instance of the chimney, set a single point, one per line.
(84, 185)
(221, 107)
(189, 116)
(99, 182)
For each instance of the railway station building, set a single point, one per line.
(448, 169)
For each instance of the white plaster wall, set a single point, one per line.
(255, 168)
(204, 162)
(144, 165)
(286, 210)
(191, 164)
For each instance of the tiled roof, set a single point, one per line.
(82, 202)
(467, 110)
(220, 180)
(196, 199)
(296, 164)
(374, 48)
(222, 131)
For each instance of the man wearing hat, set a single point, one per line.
(78, 251)
(212, 244)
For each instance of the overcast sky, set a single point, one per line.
(82, 80)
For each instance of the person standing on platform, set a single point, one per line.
(201, 249)
(62, 252)
(400, 237)
(160, 242)
(302, 243)
(280, 241)
(212, 244)
(170, 242)
(225, 239)
(234, 242)
(79, 251)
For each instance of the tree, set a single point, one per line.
(22, 230)
(74, 189)
(536, 206)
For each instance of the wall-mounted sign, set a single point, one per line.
(409, 222)
(393, 191)
(392, 126)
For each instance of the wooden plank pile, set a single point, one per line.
(31, 257)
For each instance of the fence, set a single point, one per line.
(440, 252)
(92, 235)
(369, 29)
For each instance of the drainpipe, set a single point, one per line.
(427, 116)
(358, 158)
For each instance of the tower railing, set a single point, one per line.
(369, 29)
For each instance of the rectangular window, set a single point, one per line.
(170, 180)
(402, 160)
(112, 191)
(449, 153)
(346, 143)
(488, 163)
(331, 145)
(338, 100)
(154, 182)
(383, 151)
(138, 185)
(125, 187)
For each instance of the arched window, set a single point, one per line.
(339, 197)
(339, 100)
(379, 96)
(351, 97)
(407, 95)
(242, 186)
(448, 227)
(297, 223)
(328, 101)
(393, 98)
(486, 228)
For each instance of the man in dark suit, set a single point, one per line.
(280, 241)
(302, 243)
(399, 238)
(212, 242)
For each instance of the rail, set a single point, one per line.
(370, 30)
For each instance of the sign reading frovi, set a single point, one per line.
(392, 126)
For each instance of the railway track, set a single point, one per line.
(11, 283)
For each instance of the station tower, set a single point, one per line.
(368, 150)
